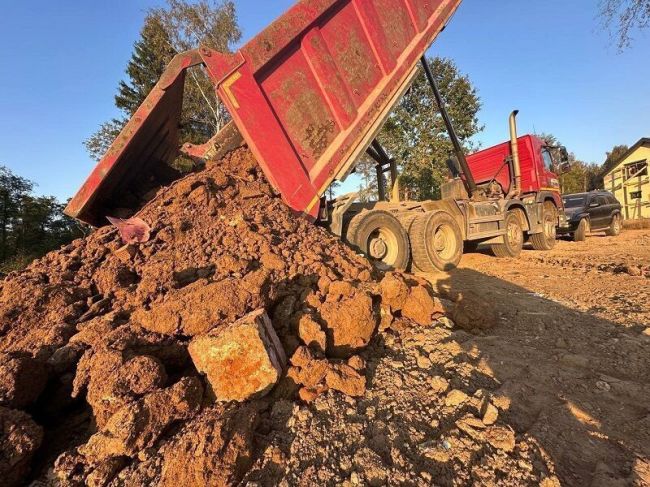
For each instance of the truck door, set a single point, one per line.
(548, 180)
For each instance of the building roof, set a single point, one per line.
(642, 142)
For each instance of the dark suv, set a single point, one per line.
(593, 211)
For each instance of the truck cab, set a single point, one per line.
(538, 163)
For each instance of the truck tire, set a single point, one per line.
(615, 227)
(436, 242)
(381, 238)
(581, 232)
(546, 239)
(513, 240)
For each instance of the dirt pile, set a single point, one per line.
(102, 341)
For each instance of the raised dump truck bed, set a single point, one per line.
(308, 95)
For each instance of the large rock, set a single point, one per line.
(20, 437)
(22, 379)
(216, 449)
(197, 308)
(410, 298)
(138, 425)
(311, 333)
(343, 378)
(113, 381)
(241, 360)
(350, 320)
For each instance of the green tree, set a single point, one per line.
(581, 177)
(12, 190)
(177, 27)
(612, 158)
(415, 133)
(625, 17)
(31, 225)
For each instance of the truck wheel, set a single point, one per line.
(615, 227)
(513, 240)
(581, 232)
(381, 238)
(436, 242)
(546, 239)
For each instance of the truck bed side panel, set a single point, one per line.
(314, 87)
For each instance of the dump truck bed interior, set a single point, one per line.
(308, 94)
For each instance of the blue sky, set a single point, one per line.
(551, 60)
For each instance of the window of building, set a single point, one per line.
(635, 195)
(636, 169)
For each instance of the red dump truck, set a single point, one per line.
(308, 95)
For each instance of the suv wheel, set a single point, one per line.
(582, 231)
(615, 227)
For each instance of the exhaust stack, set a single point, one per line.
(514, 149)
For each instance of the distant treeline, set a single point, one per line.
(30, 225)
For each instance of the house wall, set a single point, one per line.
(618, 182)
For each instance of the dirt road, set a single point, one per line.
(571, 351)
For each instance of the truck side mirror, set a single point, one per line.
(565, 165)
(564, 155)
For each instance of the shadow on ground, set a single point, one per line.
(577, 383)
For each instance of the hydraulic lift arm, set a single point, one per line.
(468, 180)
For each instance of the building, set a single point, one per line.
(630, 181)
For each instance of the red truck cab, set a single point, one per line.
(538, 177)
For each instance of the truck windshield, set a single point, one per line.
(573, 201)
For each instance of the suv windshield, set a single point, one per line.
(573, 201)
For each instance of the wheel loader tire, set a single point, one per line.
(436, 242)
(546, 239)
(513, 240)
(381, 238)
(615, 227)
(581, 232)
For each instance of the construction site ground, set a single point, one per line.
(570, 350)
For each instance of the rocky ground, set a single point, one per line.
(236, 344)
(571, 351)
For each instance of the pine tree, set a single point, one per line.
(151, 54)
(177, 27)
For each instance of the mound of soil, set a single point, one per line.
(95, 336)
(110, 353)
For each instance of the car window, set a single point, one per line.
(602, 200)
(574, 201)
